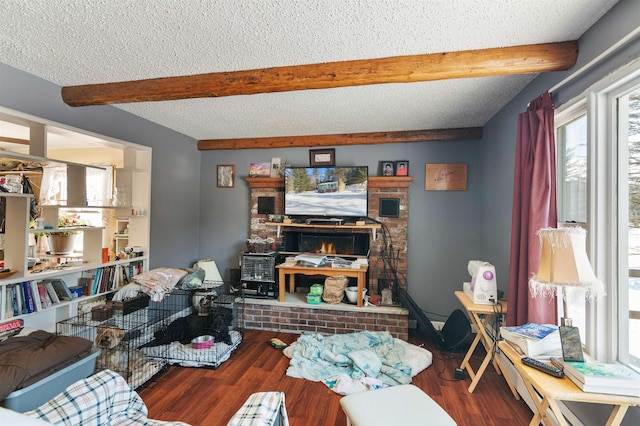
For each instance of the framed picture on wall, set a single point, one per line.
(226, 175)
(322, 157)
(402, 168)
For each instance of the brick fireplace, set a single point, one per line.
(390, 242)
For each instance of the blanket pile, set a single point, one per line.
(351, 363)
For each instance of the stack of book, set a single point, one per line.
(615, 379)
(533, 340)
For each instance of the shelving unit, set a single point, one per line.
(121, 235)
(132, 170)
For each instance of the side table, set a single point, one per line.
(553, 389)
(291, 270)
(489, 311)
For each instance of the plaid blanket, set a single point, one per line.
(262, 409)
(102, 399)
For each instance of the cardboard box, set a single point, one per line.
(313, 299)
(316, 289)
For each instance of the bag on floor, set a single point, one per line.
(334, 289)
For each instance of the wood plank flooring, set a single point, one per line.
(210, 397)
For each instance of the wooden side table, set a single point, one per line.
(553, 389)
(489, 311)
(291, 270)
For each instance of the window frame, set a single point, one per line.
(605, 319)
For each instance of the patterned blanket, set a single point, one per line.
(101, 399)
(350, 363)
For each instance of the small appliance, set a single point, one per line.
(483, 288)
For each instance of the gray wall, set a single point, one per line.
(497, 155)
(498, 151)
(444, 226)
(192, 218)
(176, 161)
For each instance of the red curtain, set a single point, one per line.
(534, 207)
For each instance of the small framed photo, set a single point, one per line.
(322, 157)
(402, 168)
(262, 169)
(226, 175)
(387, 168)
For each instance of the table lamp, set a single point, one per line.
(563, 264)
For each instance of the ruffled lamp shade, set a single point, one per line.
(564, 263)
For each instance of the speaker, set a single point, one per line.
(234, 278)
(266, 205)
(389, 207)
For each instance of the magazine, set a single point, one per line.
(532, 330)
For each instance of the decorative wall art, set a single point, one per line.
(226, 175)
(446, 177)
(322, 157)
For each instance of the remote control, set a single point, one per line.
(544, 367)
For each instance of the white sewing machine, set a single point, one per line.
(483, 288)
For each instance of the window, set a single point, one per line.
(571, 155)
(598, 142)
(571, 142)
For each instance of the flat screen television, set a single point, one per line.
(326, 191)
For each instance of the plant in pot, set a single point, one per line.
(61, 241)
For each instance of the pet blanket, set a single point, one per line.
(102, 399)
(351, 363)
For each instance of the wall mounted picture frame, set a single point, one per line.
(402, 168)
(446, 177)
(322, 157)
(387, 168)
(226, 175)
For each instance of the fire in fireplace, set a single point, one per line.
(345, 244)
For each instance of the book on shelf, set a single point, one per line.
(614, 378)
(52, 292)
(61, 289)
(533, 340)
(45, 299)
(35, 294)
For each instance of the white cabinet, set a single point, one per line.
(132, 171)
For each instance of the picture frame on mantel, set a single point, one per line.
(322, 157)
(226, 175)
(446, 177)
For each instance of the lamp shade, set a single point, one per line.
(564, 262)
(211, 272)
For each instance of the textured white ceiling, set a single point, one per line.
(72, 42)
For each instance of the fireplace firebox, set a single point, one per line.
(329, 243)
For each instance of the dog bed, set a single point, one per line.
(32, 355)
(355, 362)
(186, 356)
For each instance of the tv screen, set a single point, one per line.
(326, 191)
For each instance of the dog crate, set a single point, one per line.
(202, 327)
(120, 330)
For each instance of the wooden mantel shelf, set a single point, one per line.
(371, 226)
(374, 182)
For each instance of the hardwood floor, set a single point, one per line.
(210, 397)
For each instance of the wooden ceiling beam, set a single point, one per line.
(342, 139)
(401, 69)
